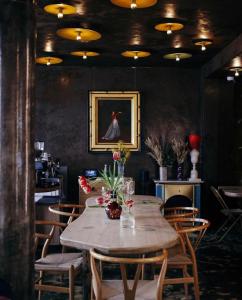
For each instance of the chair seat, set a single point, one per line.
(59, 262)
(179, 259)
(113, 289)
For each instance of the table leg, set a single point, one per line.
(86, 280)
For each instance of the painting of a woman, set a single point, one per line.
(113, 131)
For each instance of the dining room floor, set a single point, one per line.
(219, 266)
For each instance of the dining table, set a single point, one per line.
(93, 229)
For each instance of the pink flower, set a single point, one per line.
(116, 155)
(100, 201)
(129, 203)
(85, 185)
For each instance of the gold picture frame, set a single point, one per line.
(114, 116)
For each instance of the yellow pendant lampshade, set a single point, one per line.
(134, 3)
(48, 60)
(79, 34)
(169, 27)
(177, 56)
(60, 9)
(203, 43)
(236, 70)
(85, 54)
(135, 54)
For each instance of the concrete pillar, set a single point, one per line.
(16, 146)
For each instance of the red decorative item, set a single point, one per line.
(113, 210)
(116, 155)
(194, 141)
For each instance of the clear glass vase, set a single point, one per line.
(127, 219)
(120, 169)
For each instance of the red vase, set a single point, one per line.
(113, 210)
(194, 141)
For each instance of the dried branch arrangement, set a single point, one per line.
(155, 152)
(180, 149)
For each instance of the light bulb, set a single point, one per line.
(78, 36)
(84, 55)
(60, 13)
(133, 4)
(169, 31)
(177, 57)
(203, 48)
(136, 55)
(236, 73)
(48, 62)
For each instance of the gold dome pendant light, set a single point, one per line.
(169, 27)
(85, 54)
(60, 9)
(135, 54)
(78, 34)
(133, 4)
(236, 70)
(177, 56)
(48, 60)
(203, 43)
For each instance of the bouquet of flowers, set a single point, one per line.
(121, 153)
(84, 184)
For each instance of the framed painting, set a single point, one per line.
(114, 116)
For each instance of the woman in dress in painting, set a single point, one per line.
(113, 131)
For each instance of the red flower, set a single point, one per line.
(116, 155)
(85, 185)
(129, 203)
(100, 201)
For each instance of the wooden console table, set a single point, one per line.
(170, 188)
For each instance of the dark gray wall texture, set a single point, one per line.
(167, 95)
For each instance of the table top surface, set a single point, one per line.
(231, 191)
(93, 229)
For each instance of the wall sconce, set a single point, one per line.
(236, 70)
(60, 9)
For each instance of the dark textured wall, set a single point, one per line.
(168, 96)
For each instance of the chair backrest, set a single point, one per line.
(44, 231)
(191, 231)
(180, 212)
(219, 197)
(72, 211)
(129, 292)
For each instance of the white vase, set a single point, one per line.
(163, 173)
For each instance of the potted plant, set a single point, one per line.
(158, 150)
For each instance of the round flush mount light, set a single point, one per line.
(135, 54)
(48, 60)
(85, 54)
(177, 56)
(133, 4)
(236, 70)
(203, 43)
(60, 9)
(169, 27)
(79, 34)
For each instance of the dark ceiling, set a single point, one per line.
(125, 29)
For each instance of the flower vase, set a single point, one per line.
(113, 210)
(127, 219)
(120, 169)
(180, 172)
(163, 173)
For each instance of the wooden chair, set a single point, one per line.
(191, 232)
(56, 263)
(71, 211)
(127, 289)
(233, 215)
(180, 212)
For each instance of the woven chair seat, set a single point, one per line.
(59, 262)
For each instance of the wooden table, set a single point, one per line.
(94, 230)
(231, 191)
